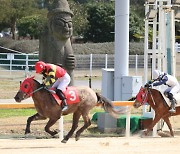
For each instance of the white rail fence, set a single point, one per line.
(25, 62)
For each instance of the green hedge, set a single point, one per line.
(30, 46)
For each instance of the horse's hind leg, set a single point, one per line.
(32, 118)
(166, 119)
(87, 123)
(76, 117)
(50, 123)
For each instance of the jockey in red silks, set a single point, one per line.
(160, 78)
(56, 76)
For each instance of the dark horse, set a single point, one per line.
(158, 103)
(47, 106)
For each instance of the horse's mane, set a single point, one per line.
(157, 91)
(45, 90)
(36, 81)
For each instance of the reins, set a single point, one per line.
(151, 96)
(30, 94)
(35, 90)
(143, 102)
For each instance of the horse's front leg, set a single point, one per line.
(33, 118)
(50, 123)
(166, 119)
(154, 122)
(76, 117)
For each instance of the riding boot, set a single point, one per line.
(64, 105)
(62, 97)
(172, 100)
(173, 108)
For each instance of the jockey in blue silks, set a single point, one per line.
(160, 78)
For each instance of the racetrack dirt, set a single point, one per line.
(12, 140)
(105, 145)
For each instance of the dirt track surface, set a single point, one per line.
(115, 145)
(12, 141)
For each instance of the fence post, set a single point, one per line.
(106, 61)
(90, 70)
(61, 128)
(11, 58)
(136, 64)
(27, 67)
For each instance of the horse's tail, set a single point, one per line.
(108, 106)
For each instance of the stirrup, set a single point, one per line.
(64, 108)
(172, 110)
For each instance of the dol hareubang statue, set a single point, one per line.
(55, 44)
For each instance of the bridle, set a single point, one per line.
(27, 95)
(142, 96)
(26, 87)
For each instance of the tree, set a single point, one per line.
(100, 22)
(31, 25)
(79, 18)
(136, 25)
(12, 10)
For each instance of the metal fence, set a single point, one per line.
(25, 62)
(91, 64)
(15, 67)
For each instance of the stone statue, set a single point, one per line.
(55, 44)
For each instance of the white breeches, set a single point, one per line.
(62, 82)
(173, 90)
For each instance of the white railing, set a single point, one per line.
(25, 62)
(17, 62)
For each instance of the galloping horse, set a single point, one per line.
(47, 107)
(156, 100)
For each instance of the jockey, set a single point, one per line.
(160, 78)
(56, 76)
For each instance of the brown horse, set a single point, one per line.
(159, 105)
(47, 106)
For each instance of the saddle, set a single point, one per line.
(176, 97)
(70, 93)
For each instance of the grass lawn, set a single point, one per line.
(6, 113)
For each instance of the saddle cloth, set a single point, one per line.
(70, 93)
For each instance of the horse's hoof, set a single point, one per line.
(77, 138)
(54, 133)
(27, 132)
(26, 136)
(143, 133)
(163, 134)
(64, 141)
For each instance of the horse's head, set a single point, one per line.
(141, 97)
(26, 89)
